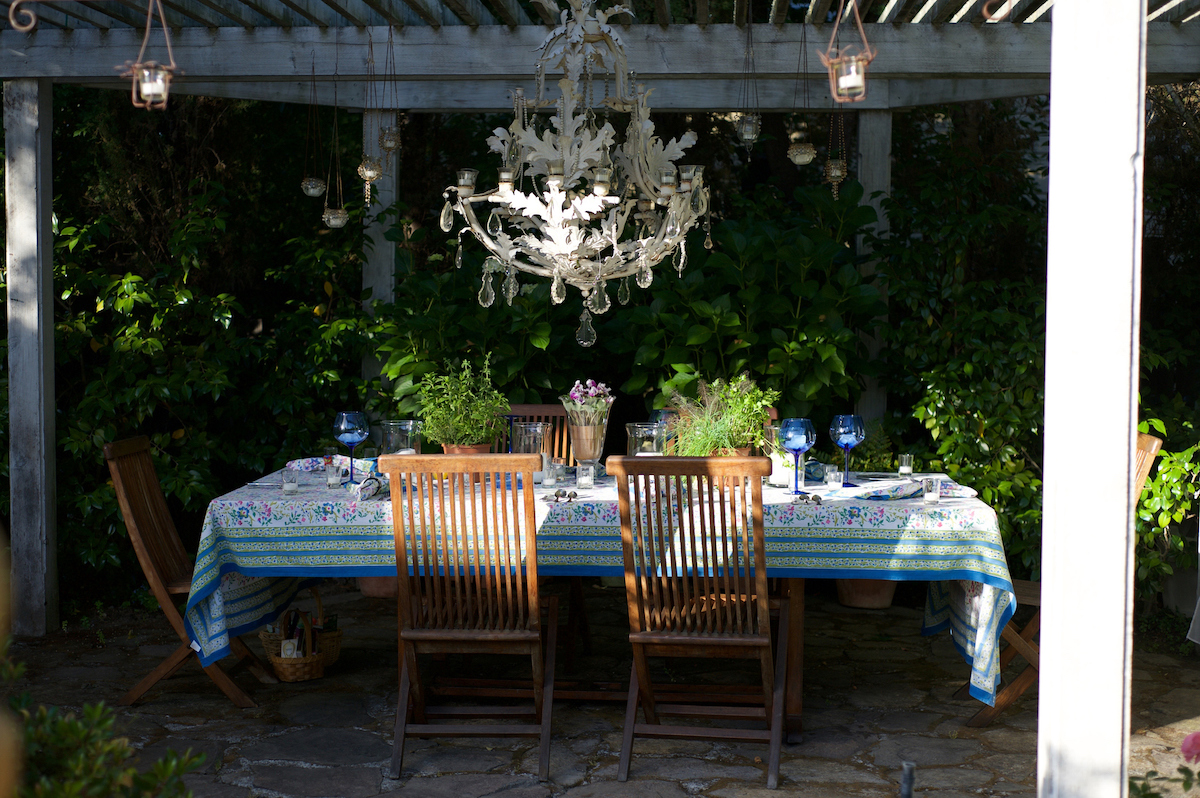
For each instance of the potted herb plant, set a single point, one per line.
(461, 408)
(727, 418)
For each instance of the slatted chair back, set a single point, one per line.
(1148, 447)
(692, 534)
(466, 526)
(558, 439)
(165, 562)
(1022, 640)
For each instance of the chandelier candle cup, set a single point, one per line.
(466, 181)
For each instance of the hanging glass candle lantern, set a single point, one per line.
(748, 128)
(312, 186)
(848, 65)
(801, 153)
(335, 217)
(389, 139)
(153, 82)
(370, 170)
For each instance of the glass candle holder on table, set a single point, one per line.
(645, 439)
(291, 481)
(528, 437)
(401, 437)
(906, 465)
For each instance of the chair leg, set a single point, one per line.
(780, 690)
(646, 693)
(1011, 692)
(631, 704)
(252, 662)
(548, 691)
(228, 687)
(401, 723)
(164, 669)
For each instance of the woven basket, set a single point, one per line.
(328, 647)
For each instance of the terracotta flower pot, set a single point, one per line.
(468, 448)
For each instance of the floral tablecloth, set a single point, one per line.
(259, 548)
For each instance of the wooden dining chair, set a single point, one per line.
(1021, 639)
(696, 586)
(166, 565)
(465, 535)
(558, 444)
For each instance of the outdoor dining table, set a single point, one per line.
(260, 547)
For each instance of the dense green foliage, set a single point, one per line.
(213, 313)
(66, 756)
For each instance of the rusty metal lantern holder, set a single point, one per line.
(151, 80)
(848, 65)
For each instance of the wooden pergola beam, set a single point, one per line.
(459, 53)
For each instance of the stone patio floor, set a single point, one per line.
(876, 693)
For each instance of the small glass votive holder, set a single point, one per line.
(333, 474)
(906, 465)
(931, 490)
(585, 475)
(832, 475)
(645, 438)
(291, 481)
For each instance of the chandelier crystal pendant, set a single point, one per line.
(572, 204)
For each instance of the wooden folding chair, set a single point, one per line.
(696, 586)
(466, 545)
(167, 567)
(1021, 640)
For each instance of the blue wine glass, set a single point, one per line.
(797, 436)
(847, 432)
(351, 429)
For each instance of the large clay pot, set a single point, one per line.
(867, 594)
(379, 586)
(468, 448)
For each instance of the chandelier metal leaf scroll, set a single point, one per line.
(572, 204)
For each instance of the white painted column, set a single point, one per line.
(30, 247)
(379, 259)
(875, 175)
(1097, 86)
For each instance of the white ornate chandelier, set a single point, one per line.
(584, 187)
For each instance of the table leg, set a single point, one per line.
(794, 700)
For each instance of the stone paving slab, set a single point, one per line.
(876, 693)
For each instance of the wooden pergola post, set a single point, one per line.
(29, 257)
(875, 175)
(1097, 108)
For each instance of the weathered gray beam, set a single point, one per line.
(947, 10)
(510, 13)
(342, 9)
(82, 13)
(391, 13)
(276, 16)
(122, 15)
(196, 13)
(818, 11)
(480, 96)
(29, 244)
(499, 53)
(779, 9)
(890, 11)
(471, 12)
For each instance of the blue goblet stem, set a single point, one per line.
(846, 469)
(352, 448)
(796, 477)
